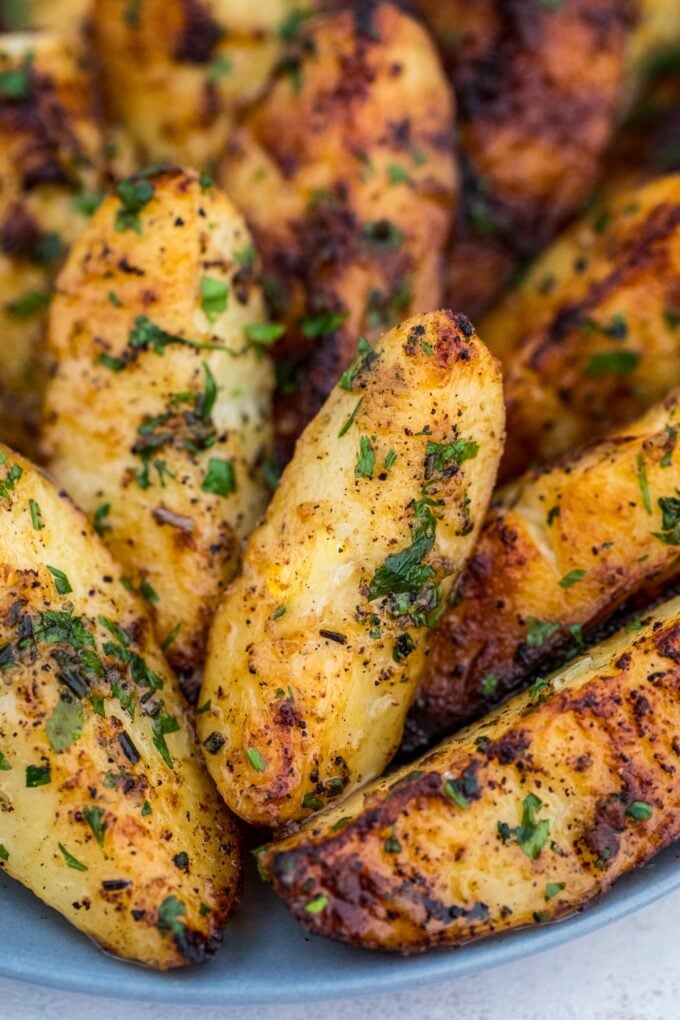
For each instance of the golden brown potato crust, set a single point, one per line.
(53, 166)
(177, 72)
(558, 552)
(107, 812)
(521, 819)
(318, 645)
(589, 340)
(346, 176)
(157, 415)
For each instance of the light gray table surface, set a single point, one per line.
(628, 971)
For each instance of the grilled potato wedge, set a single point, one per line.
(53, 166)
(187, 68)
(541, 90)
(557, 554)
(591, 338)
(157, 416)
(521, 819)
(345, 173)
(317, 646)
(107, 813)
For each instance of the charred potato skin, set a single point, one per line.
(590, 339)
(52, 159)
(125, 836)
(141, 431)
(551, 84)
(564, 547)
(346, 175)
(408, 868)
(306, 691)
(188, 68)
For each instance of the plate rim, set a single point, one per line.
(635, 891)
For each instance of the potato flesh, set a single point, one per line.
(558, 553)
(310, 669)
(127, 837)
(562, 792)
(52, 152)
(346, 175)
(187, 69)
(130, 436)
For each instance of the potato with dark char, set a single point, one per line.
(541, 88)
(177, 72)
(345, 173)
(317, 647)
(591, 338)
(53, 165)
(558, 553)
(157, 417)
(520, 819)
(107, 813)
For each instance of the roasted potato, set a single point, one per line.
(557, 555)
(590, 339)
(107, 813)
(521, 819)
(317, 646)
(157, 414)
(541, 89)
(345, 173)
(62, 16)
(177, 73)
(54, 162)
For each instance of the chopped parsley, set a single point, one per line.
(572, 578)
(553, 889)
(72, 861)
(94, 816)
(38, 775)
(531, 835)
(134, 194)
(444, 458)
(255, 759)
(164, 724)
(4, 853)
(392, 844)
(316, 905)
(488, 684)
(453, 791)
(214, 297)
(65, 725)
(61, 581)
(264, 334)
(36, 516)
(365, 465)
(169, 917)
(364, 359)
(612, 363)
(352, 418)
(15, 83)
(670, 520)
(389, 460)
(640, 811)
(29, 304)
(220, 478)
(540, 631)
(404, 572)
(641, 472)
(4, 764)
(313, 327)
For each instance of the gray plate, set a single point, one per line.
(268, 958)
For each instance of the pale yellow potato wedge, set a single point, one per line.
(106, 811)
(521, 819)
(54, 163)
(316, 648)
(157, 416)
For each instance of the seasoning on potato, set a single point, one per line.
(178, 74)
(317, 647)
(107, 813)
(346, 175)
(558, 553)
(518, 820)
(591, 338)
(157, 418)
(54, 164)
